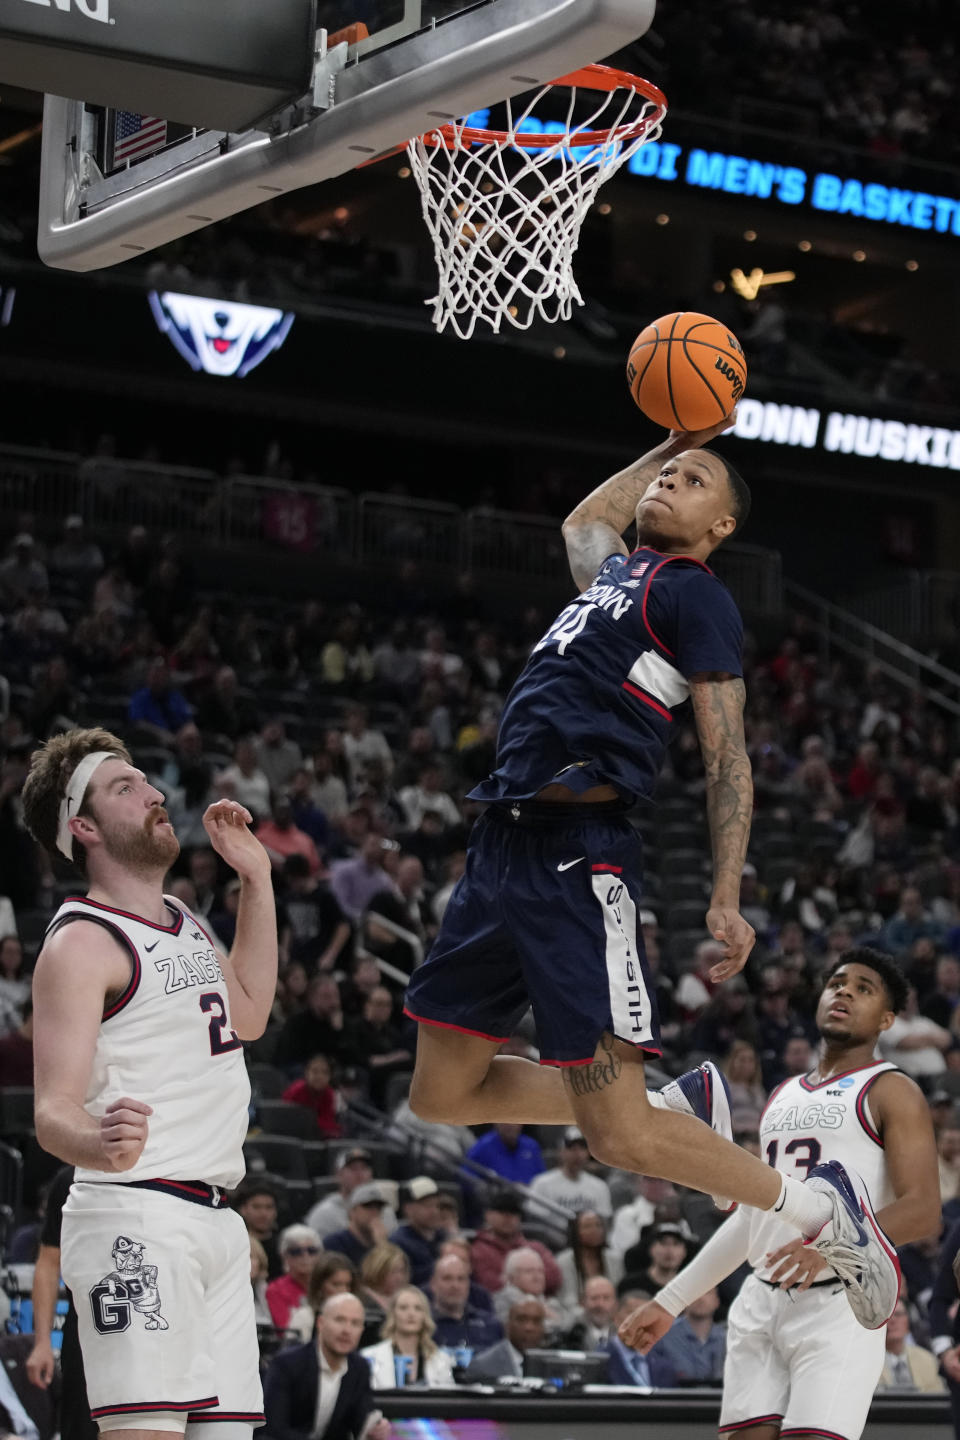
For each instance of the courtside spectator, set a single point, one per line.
(502, 1233)
(515, 1157)
(299, 1247)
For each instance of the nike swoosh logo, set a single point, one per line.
(567, 863)
(148, 948)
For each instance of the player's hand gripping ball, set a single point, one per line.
(686, 371)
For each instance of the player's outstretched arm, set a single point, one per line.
(724, 1251)
(718, 710)
(79, 967)
(594, 530)
(251, 970)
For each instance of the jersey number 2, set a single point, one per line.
(212, 1004)
(801, 1162)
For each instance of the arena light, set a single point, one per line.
(749, 286)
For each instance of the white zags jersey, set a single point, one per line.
(167, 1040)
(805, 1123)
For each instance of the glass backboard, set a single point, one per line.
(115, 184)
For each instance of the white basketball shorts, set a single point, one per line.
(165, 1305)
(798, 1359)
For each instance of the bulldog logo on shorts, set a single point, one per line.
(131, 1286)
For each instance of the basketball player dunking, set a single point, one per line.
(547, 911)
(141, 1084)
(797, 1363)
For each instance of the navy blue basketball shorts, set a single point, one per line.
(546, 914)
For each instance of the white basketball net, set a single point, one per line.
(505, 219)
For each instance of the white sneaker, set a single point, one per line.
(703, 1092)
(855, 1246)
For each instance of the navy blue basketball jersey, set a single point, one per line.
(597, 698)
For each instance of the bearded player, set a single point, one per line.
(547, 911)
(797, 1363)
(141, 1085)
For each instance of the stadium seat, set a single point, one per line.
(16, 1110)
(279, 1117)
(267, 1082)
(280, 1154)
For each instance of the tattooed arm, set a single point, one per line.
(594, 530)
(718, 710)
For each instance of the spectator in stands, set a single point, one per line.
(356, 882)
(941, 1004)
(315, 928)
(223, 710)
(327, 788)
(404, 907)
(695, 987)
(727, 1020)
(16, 1051)
(864, 773)
(361, 744)
(907, 1366)
(428, 797)
(408, 1354)
(354, 1167)
(912, 922)
(747, 1095)
(525, 1327)
(364, 1228)
(419, 1235)
(321, 1390)
(256, 1203)
(459, 1323)
(21, 574)
(14, 984)
(630, 1220)
(316, 1093)
(205, 874)
(307, 815)
(318, 1029)
(453, 867)
(76, 560)
(332, 1274)
(599, 1306)
(383, 1271)
(514, 1156)
(798, 1057)
(695, 1346)
(662, 1251)
(277, 755)
(524, 1274)
(502, 1234)
(345, 662)
(628, 1367)
(586, 1256)
(299, 1247)
(948, 1160)
(157, 710)
(259, 1275)
(776, 1023)
(375, 1041)
(570, 1185)
(915, 1042)
(244, 781)
(281, 837)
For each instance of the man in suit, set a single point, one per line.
(526, 1322)
(322, 1389)
(907, 1366)
(598, 1323)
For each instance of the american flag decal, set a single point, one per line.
(135, 136)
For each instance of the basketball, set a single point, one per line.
(686, 371)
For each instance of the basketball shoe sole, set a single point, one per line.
(703, 1092)
(853, 1243)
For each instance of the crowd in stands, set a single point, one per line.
(353, 734)
(873, 79)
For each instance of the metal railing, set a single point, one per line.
(840, 630)
(923, 606)
(371, 528)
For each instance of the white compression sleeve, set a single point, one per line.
(721, 1255)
